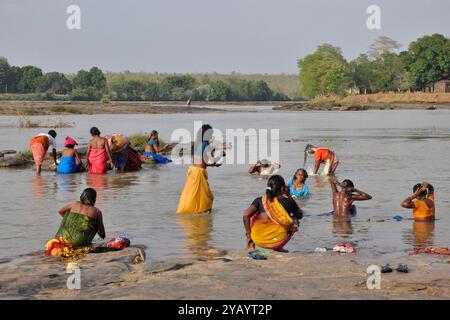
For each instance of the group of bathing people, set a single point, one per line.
(269, 222)
(110, 151)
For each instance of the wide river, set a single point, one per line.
(384, 152)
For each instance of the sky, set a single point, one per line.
(196, 36)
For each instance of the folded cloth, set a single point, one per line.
(196, 196)
(98, 159)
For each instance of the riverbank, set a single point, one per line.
(34, 108)
(377, 101)
(225, 275)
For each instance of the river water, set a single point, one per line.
(384, 152)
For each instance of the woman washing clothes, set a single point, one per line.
(70, 161)
(118, 144)
(81, 222)
(152, 149)
(272, 219)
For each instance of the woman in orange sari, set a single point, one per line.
(272, 219)
(98, 153)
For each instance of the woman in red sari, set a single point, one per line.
(98, 153)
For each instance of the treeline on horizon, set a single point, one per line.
(324, 72)
(95, 85)
(381, 69)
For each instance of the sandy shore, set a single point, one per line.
(225, 275)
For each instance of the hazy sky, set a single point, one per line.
(246, 36)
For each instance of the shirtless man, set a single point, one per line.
(343, 200)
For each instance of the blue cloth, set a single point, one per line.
(303, 192)
(152, 142)
(67, 165)
(157, 157)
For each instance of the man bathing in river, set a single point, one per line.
(421, 201)
(343, 199)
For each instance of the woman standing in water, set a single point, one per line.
(197, 196)
(272, 219)
(98, 153)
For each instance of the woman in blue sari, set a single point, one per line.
(70, 161)
(152, 149)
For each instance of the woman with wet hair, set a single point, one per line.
(81, 220)
(297, 185)
(197, 196)
(98, 153)
(272, 219)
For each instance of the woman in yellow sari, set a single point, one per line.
(197, 196)
(272, 219)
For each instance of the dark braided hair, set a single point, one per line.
(275, 186)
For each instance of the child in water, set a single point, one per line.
(343, 199)
(421, 201)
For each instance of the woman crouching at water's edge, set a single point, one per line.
(81, 220)
(272, 219)
(197, 196)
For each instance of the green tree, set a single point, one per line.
(14, 79)
(324, 71)
(5, 73)
(428, 60)
(54, 82)
(28, 81)
(219, 91)
(90, 84)
(151, 92)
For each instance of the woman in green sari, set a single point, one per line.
(81, 220)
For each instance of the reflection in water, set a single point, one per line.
(198, 229)
(342, 226)
(69, 182)
(423, 233)
(320, 182)
(38, 187)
